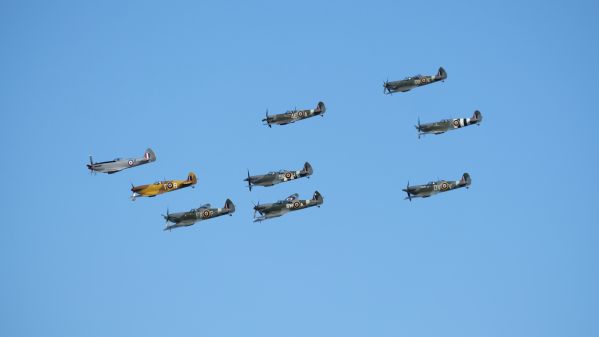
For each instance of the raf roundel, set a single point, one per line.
(288, 175)
(206, 213)
(169, 185)
(444, 186)
(130, 162)
(456, 123)
(296, 204)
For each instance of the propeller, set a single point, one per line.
(418, 127)
(249, 182)
(266, 119)
(166, 216)
(255, 208)
(385, 86)
(408, 191)
(91, 164)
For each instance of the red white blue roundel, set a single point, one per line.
(296, 204)
(130, 162)
(169, 185)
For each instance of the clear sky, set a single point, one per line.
(515, 255)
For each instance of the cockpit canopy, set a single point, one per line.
(204, 206)
(415, 77)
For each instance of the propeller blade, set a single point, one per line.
(408, 191)
(249, 182)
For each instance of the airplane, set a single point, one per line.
(442, 126)
(272, 178)
(434, 187)
(282, 207)
(294, 115)
(160, 187)
(412, 82)
(119, 164)
(204, 212)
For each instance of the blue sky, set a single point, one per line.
(515, 255)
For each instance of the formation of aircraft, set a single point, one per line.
(282, 207)
(435, 187)
(160, 187)
(294, 115)
(119, 164)
(291, 203)
(204, 212)
(412, 82)
(273, 178)
(445, 125)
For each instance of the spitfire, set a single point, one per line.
(294, 115)
(412, 82)
(119, 164)
(282, 207)
(272, 178)
(442, 126)
(204, 212)
(434, 187)
(160, 187)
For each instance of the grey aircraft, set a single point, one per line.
(204, 212)
(412, 82)
(119, 164)
(442, 126)
(272, 178)
(282, 207)
(294, 115)
(434, 187)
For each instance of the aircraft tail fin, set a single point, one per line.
(442, 74)
(150, 155)
(192, 177)
(318, 197)
(307, 169)
(477, 117)
(230, 206)
(320, 107)
(465, 181)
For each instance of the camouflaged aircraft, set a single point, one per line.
(294, 115)
(442, 126)
(272, 178)
(282, 207)
(119, 164)
(434, 187)
(160, 187)
(412, 82)
(204, 212)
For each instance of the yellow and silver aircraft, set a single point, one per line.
(160, 187)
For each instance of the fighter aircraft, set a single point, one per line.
(204, 212)
(294, 115)
(442, 126)
(160, 187)
(272, 178)
(412, 82)
(434, 187)
(282, 207)
(119, 164)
